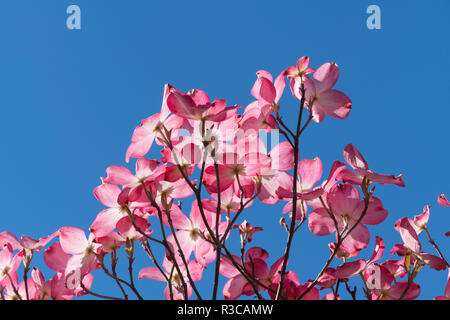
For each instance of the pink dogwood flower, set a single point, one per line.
(196, 106)
(407, 229)
(26, 243)
(320, 98)
(152, 128)
(146, 169)
(385, 288)
(43, 288)
(301, 69)
(9, 262)
(84, 252)
(309, 173)
(21, 290)
(236, 170)
(351, 269)
(359, 164)
(267, 92)
(106, 220)
(442, 200)
(246, 230)
(347, 208)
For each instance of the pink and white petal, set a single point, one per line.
(139, 148)
(351, 177)
(357, 240)
(107, 194)
(256, 163)
(204, 252)
(309, 173)
(433, 261)
(186, 242)
(280, 84)
(38, 277)
(55, 258)
(263, 89)
(378, 250)
(177, 294)
(320, 222)
(196, 271)
(87, 283)
(119, 176)
(282, 156)
(318, 115)
(183, 106)
(257, 268)
(142, 138)
(302, 63)
(146, 128)
(146, 168)
(151, 273)
(226, 176)
(350, 269)
(227, 269)
(197, 219)
(268, 191)
(7, 237)
(398, 289)
(276, 267)
(375, 213)
(45, 240)
(344, 199)
(310, 89)
(127, 230)
(421, 220)
(179, 220)
(334, 175)
(441, 298)
(379, 277)
(326, 76)
(334, 103)
(311, 195)
(181, 189)
(164, 109)
(16, 261)
(173, 174)
(331, 296)
(442, 200)
(409, 236)
(233, 289)
(385, 179)
(6, 254)
(292, 71)
(256, 253)
(106, 221)
(265, 74)
(313, 294)
(354, 158)
(199, 97)
(225, 114)
(399, 249)
(73, 240)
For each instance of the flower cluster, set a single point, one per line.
(215, 158)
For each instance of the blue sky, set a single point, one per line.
(70, 100)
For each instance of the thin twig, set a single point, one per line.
(96, 294)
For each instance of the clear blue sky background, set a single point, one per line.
(71, 99)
